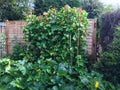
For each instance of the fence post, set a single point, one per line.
(94, 39)
(6, 32)
(91, 40)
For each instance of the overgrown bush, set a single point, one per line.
(59, 35)
(109, 62)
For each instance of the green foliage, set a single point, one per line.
(110, 60)
(44, 5)
(18, 51)
(44, 75)
(60, 35)
(110, 86)
(108, 26)
(108, 8)
(93, 7)
(55, 55)
(13, 10)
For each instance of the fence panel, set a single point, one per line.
(91, 39)
(14, 31)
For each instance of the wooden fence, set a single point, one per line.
(14, 32)
(91, 39)
(14, 29)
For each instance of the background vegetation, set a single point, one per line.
(93, 7)
(44, 5)
(109, 60)
(13, 10)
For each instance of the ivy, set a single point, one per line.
(59, 35)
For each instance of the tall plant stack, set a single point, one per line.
(59, 35)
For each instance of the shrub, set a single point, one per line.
(59, 35)
(109, 62)
(18, 50)
(45, 75)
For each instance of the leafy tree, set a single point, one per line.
(44, 5)
(93, 7)
(108, 8)
(109, 21)
(13, 9)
